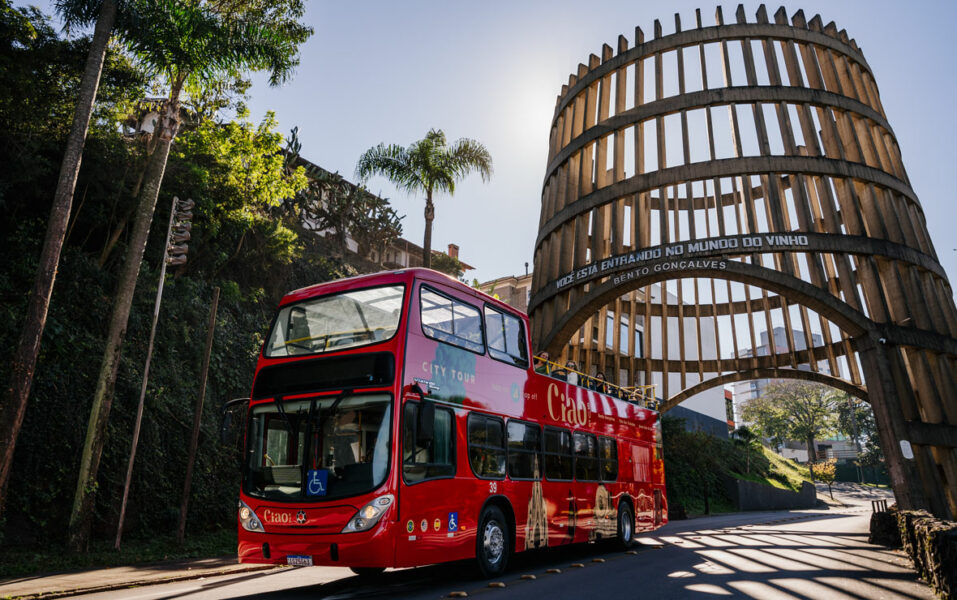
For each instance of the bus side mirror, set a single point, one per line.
(425, 424)
(231, 425)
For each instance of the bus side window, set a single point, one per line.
(608, 453)
(524, 450)
(437, 457)
(486, 446)
(506, 338)
(558, 454)
(586, 456)
(451, 321)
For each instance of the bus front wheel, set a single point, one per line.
(626, 526)
(492, 542)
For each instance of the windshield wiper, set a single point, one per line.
(297, 345)
(293, 431)
(335, 404)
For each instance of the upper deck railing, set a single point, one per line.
(639, 394)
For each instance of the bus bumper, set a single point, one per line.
(375, 548)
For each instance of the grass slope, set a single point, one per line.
(782, 473)
(696, 464)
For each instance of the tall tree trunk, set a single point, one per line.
(427, 242)
(85, 495)
(811, 455)
(24, 361)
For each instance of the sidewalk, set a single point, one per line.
(852, 494)
(59, 585)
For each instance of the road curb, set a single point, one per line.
(198, 574)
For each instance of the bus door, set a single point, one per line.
(445, 344)
(430, 510)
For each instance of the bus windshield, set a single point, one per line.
(320, 448)
(336, 322)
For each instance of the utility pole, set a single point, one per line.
(197, 417)
(174, 253)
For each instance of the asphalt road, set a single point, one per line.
(819, 554)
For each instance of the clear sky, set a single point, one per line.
(386, 71)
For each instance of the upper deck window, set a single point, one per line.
(451, 321)
(336, 322)
(506, 337)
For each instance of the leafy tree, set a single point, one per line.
(692, 463)
(24, 359)
(873, 454)
(237, 175)
(334, 205)
(375, 225)
(447, 264)
(189, 44)
(426, 166)
(794, 410)
(40, 73)
(330, 203)
(826, 471)
(749, 442)
(855, 419)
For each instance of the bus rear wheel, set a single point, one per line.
(492, 542)
(626, 527)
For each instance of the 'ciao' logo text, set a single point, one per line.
(566, 409)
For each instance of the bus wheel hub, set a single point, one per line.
(494, 542)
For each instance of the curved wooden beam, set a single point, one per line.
(715, 97)
(726, 167)
(764, 373)
(706, 35)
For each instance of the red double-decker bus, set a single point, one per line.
(396, 420)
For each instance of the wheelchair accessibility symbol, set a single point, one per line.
(316, 481)
(453, 521)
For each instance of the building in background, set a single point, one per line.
(743, 391)
(514, 290)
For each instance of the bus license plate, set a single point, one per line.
(299, 560)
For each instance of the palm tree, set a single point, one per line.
(428, 165)
(190, 44)
(74, 13)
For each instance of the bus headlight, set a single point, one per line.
(369, 514)
(248, 518)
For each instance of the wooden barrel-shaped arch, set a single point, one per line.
(710, 187)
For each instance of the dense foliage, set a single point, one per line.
(696, 464)
(855, 418)
(794, 410)
(246, 239)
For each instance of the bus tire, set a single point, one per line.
(367, 572)
(492, 542)
(626, 526)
